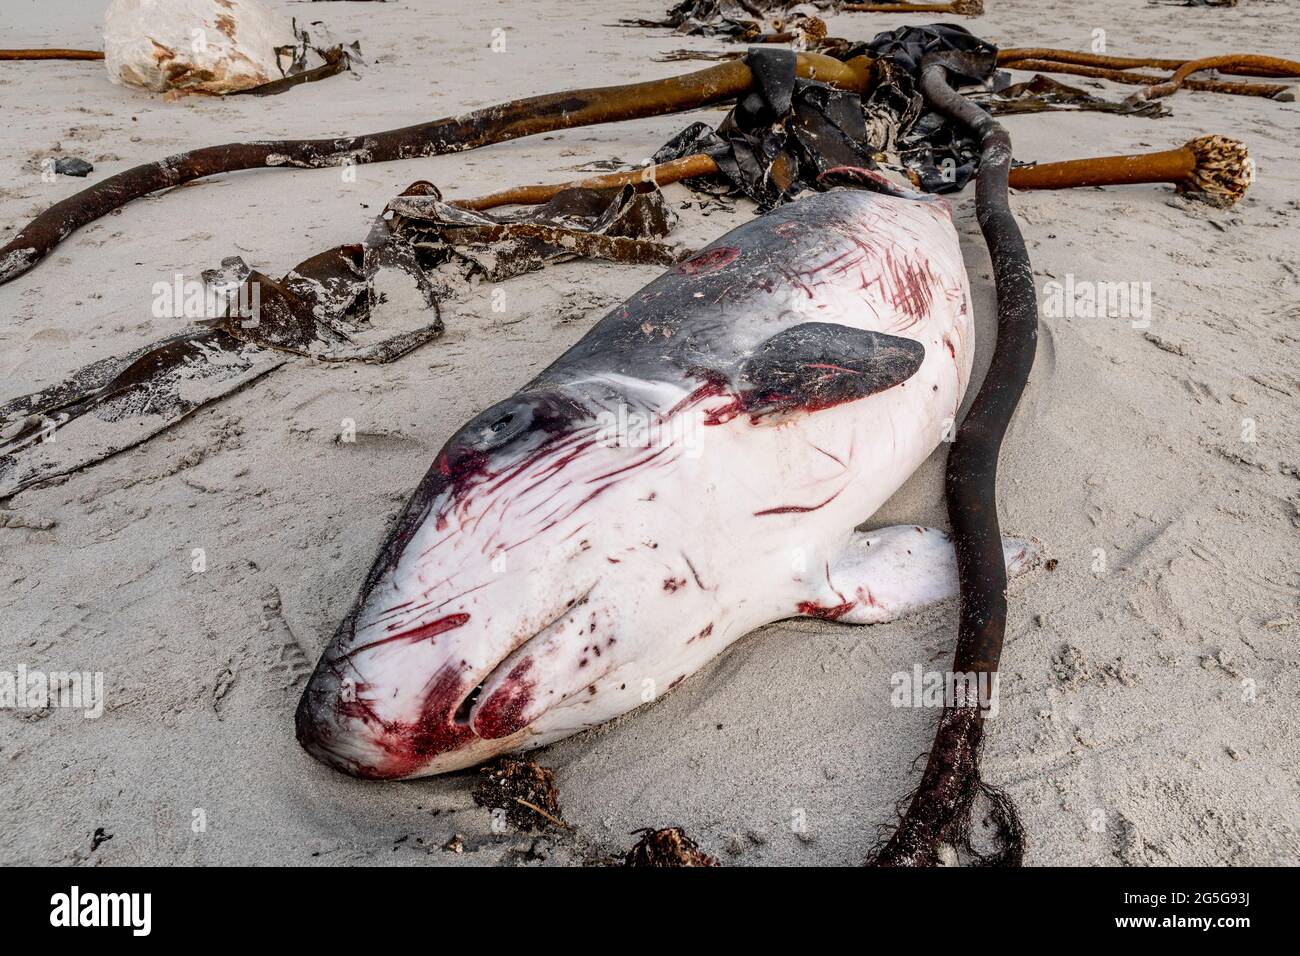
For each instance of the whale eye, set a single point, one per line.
(499, 426)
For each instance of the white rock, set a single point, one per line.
(194, 46)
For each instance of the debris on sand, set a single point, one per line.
(212, 47)
(371, 302)
(71, 166)
(193, 46)
(667, 847)
(525, 791)
(455, 845)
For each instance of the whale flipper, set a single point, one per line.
(885, 574)
(817, 365)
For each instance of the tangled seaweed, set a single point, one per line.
(669, 847)
(329, 308)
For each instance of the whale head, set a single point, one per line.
(488, 622)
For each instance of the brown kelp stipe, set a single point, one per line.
(52, 54)
(1215, 169)
(1242, 64)
(1266, 90)
(940, 808)
(494, 124)
(1180, 77)
(1120, 69)
(965, 8)
(688, 167)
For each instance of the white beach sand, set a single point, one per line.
(1126, 735)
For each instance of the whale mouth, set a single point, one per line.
(461, 717)
(501, 705)
(351, 733)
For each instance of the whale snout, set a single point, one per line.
(342, 724)
(433, 698)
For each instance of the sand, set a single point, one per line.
(1149, 702)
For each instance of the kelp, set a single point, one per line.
(620, 225)
(740, 20)
(939, 811)
(315, 57)
(371, 302)
(1043, 94)
(786, 131)
(493, 124)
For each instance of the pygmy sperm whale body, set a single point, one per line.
(693, 468)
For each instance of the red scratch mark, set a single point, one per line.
(645, 460)
(710, 260)
(725, 413)
(695, 574)
(422, 633)
(791, 509)
(812, 609)
(708, 629)
(913, 293)
(835, 458)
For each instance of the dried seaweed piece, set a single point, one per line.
(525, 791)
(732, 18)
(336, 60)
(669, 847)
(117, 403)
(323, 308)
(1042, 93)
(619, 225)
(1268, 90)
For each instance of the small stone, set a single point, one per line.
(71, 166)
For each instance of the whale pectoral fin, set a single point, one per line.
(818, 365)
(884, 574)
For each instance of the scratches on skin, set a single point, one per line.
(832, 612)
(797, 509)
(425, 632)
(708, 629)
(694, 573)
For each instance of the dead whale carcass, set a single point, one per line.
(692, 469)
